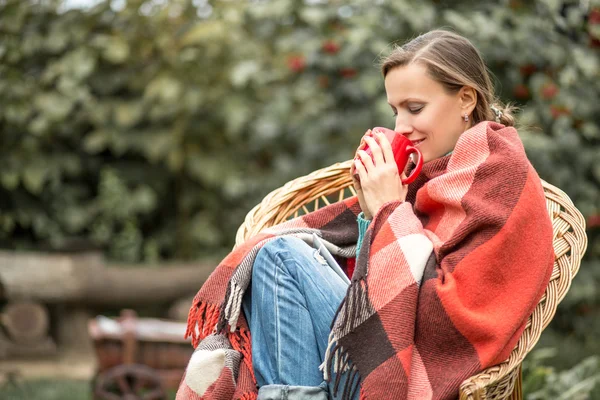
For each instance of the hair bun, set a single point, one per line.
(503, 114)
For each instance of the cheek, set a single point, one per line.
(439, 123)
(425, 124)
(439, 128)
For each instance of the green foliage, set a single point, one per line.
(148, 129)
(577, 383)
(151, 129)
(52, 390)
(46, 390)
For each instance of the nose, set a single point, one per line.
(403, 127)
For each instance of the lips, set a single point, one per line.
(417, 142)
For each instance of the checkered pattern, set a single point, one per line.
(442, 288)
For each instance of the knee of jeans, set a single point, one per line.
(274, 247)
(279, 244)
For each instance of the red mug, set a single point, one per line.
(402, 149)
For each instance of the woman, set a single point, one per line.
(448, 268)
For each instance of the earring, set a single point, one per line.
(466, 117)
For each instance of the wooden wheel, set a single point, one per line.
(129, 382)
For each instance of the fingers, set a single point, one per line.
(386, 147)
(360, 169)
(356, 183)
(354, 173)
(375, 150)
(362, 140)
(367, 161)
(361, 146)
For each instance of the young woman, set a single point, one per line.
(448, 268)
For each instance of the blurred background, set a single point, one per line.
(136, 134)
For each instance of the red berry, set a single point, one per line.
(515, 4)
(557, 111)
(296, 63)
(336, 26)
(594, 17)
(528, 69)
(549, 91)
(348, 72)
(593, 221)
(521, 92)
(324, 81)
(331, 47)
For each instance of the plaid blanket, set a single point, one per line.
(442, 288)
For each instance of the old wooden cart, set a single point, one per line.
(138, 358)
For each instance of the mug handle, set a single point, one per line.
(410, 179)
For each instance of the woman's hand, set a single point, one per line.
(379, 178)
(356, 182)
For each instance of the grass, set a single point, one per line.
(47, 390)
(50, 390)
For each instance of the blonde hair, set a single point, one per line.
(454, 62)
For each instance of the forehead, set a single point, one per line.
(411, 82)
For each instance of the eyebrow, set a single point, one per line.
(408, 100)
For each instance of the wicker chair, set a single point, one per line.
(503, 381)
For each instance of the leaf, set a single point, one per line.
(116, 50)
(243, 72)
(590, 131)
(175, 160)
(76, 65)
(144, 199)
(313, 16)
(75, 218)
(163, 89)
(237, 113)
(210, 170)
(587, 62)
(127, 114)
(202, 229)
(57, 38)
(156, 145)
(596, 171)
(34, 176)
(53, 105)
(204, 32)
(9, 179)
(39, 125)
(96, 141)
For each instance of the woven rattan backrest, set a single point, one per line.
(331, 184)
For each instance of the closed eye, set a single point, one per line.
(414, 109)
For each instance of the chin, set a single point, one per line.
(427, 157)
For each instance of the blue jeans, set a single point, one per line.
(289, 307)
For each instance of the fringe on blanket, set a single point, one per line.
(201, 313)
(352, 312)
(240, 341)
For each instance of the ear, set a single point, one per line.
(468, 99)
